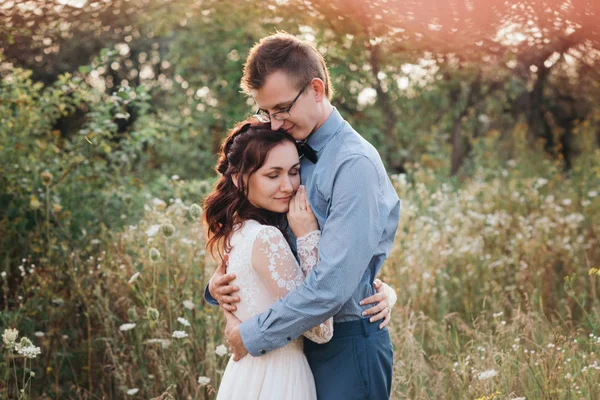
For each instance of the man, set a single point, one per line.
(358, 211)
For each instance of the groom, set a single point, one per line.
(358, 211)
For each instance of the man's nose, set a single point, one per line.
(275, 124)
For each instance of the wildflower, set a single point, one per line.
(183, 321)
(195, 211)
(154, 254)
(179, 334)
(175, 178)
(221, 350)
(9, 337)
(158, 203)
(3, 274)
(133, 278)
(34, 203)
(541, 182)
(188, 304)
(152, 314)
(594, 271)
(39, 334)
(25, 342)
(29, 351)
(46, 178)
(490, 373)
(592, 193)
(167, 229)
(133, 391)
(203, 380)
(153, 230)
(127, 327)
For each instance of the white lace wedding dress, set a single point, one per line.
(266, 271)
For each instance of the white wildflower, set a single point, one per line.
(221, 350)
(203, 380)
(518, 398)
(490, 373)
(39, 334)
(133, 278)
(179, 334)
(3, 274)
(175, 178)
(592, 193)
(127, 327)
(133, 391)
(188, 304)
(153, 230)
(541, 182)
(158, 203)
(29, 351)
(9, 337)
(183, 321)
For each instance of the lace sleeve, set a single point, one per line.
(308, 250)
(274, 262)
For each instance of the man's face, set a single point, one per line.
(277, 94)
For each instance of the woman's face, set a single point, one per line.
(274, 184)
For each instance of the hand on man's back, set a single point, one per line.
(220, 287)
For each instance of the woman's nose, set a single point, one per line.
(286, 185)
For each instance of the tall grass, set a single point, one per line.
(496, 274)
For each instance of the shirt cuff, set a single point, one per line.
(208, 298)
(253, 338)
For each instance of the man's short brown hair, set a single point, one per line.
(299, 59)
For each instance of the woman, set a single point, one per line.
(246, 218)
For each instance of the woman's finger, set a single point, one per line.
(381, 315)
(377, 284)
(297, 200)
(376, 298)
(386, 321)
(376, 308)
(303, 199)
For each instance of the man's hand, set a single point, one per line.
(383, 308)
(220, 288)
(234, 339)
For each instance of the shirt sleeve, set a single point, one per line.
(274, 262)
(349, 239)
(208, 297)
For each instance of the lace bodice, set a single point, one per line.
(266, 270)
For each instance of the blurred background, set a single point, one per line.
(485, 113)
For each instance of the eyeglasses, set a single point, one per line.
(264, 116)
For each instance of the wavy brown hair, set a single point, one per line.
(242, 153)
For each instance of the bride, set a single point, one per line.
(257, 198)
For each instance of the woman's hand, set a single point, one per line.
(300, 216)
(385, 298)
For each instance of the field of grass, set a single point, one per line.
(497, 279)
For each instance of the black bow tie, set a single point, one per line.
(306, 151)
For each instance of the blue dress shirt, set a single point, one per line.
(358, 211)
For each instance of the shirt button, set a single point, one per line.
(262, 352)
(289, 338)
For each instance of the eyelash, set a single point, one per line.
(275, 177)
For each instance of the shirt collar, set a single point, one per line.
(326, 131)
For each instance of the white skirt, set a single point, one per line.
(282, 374)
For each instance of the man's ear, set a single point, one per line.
(318, 86)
